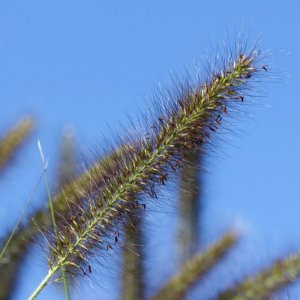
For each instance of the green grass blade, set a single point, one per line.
(3, 251)
(10, 264)
(45, 167)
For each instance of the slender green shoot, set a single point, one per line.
(45, 168)
(3, 252)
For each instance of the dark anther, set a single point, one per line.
(240, 98)
(201, 140)
(218, 76)
(218, 119)
(163, 178)
(181, 103)
(152, 192)
(161, 119)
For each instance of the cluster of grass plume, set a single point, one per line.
(182, 125)
(110, 196)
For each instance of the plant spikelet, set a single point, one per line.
(195, 268)
(185, 125)
(267, 282)
(181, 124)
(13, 139)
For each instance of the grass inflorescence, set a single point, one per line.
(196, 268)
(266, 282)
(13, 139)
(147, 160)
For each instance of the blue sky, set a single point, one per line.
(89, 64)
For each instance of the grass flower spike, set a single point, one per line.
(264, 284)
(180, 125)
(195, 268)
(13, 139)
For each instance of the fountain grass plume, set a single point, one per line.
(178, 125)
(267, 282)
(13, 139)
(196, 268)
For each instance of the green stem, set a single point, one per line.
(21, 217)
(50, 201)
(44, 282)
(66, 284)
(53, 217)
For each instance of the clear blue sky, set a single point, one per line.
(89, 63)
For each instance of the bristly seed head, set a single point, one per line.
(146, 162)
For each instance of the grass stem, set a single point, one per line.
(45, 168)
